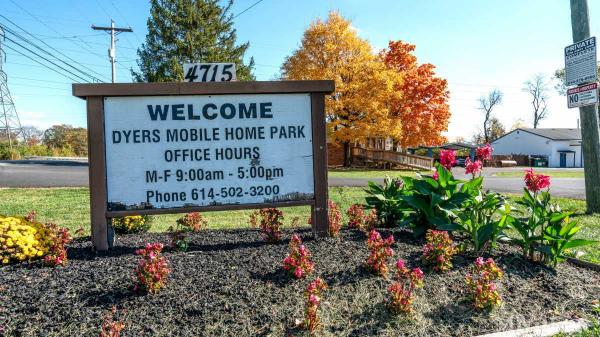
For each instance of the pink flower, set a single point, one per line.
(298, 273)
(313, 299)
(302, 250)
(536, 182)
(485, 152)
(436, 176)
(400, 264)
(418, 273)
(472, 167)
(479, 261)
(447, 158)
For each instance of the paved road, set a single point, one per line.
(564, 187)
(50, 173)
(72, 173)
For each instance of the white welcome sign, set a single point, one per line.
(201, 150)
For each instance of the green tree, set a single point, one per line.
(182, 31)
(66, 138)
(495, 130)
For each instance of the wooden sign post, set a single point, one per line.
(158, 148)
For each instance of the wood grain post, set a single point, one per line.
(320, 223)
(590, 123)
(97, 167)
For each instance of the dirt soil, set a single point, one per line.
(231, 283)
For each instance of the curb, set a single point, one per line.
(583, 264)
(56, 158)
(568, 326)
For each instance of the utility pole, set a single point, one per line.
(112, 51)
(590, 128)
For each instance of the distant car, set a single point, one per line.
(460, 162)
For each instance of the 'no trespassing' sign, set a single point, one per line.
(582, 95)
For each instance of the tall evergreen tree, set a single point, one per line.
(182, 31)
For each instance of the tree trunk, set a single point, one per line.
(347, 154)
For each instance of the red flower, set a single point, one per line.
(485, 152)
(447, 158)
(536, 182)
(472, 167)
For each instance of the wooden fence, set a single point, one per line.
(393, 157)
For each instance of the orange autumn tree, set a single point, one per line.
(364, 86)
(423, 107)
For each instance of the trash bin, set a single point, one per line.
(540, 162)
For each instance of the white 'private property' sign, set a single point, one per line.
(580, 62)
(200, 150)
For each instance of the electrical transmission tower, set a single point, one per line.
(10, 125)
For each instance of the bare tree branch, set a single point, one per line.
(487, 104)
(538, 88)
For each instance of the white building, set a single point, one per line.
(561, 147)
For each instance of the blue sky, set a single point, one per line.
(476, 46)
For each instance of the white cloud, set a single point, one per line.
(41, 120)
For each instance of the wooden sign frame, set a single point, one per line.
(94, 94)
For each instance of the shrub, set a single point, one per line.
(132, 224)
(387, 201)
(483, 215)
(438, 250)
(380, 252)
(546, 231)
(190, 222)
(269, 220)
(401, 291)
(59, 237)
(179, 240)
(193, 221)
(434, 201)
(313, 302)
(298, 262)
(361, 220)
(24, 238)
(480, 282)
(334, 216)
(152, 269)
(110, 327)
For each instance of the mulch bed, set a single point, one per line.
(231, 283)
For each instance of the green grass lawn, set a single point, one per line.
(367, 173)
(69, 207)
(552, 173)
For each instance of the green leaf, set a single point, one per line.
(450, 227)
(578, 242)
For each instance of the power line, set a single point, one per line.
(54, 30)
(93, 78)
(245, 10)
(47, 60)
(37, 79)
(38, 86)
(45, 65)
(125, 20)
(49, 46)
